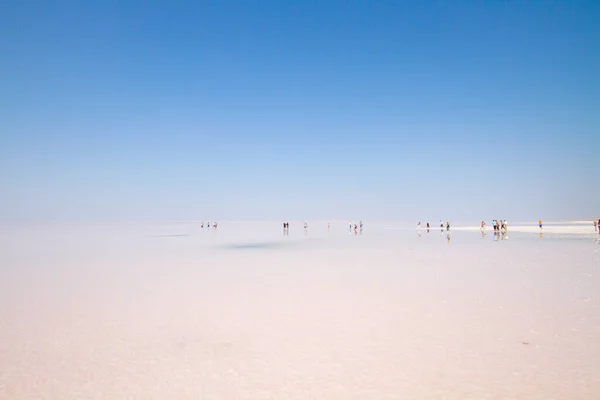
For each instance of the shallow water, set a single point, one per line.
(173, 311)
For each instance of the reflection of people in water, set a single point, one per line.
(483, 233)
(448, 236)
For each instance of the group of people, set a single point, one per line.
(356, 227)
(286, 228)
(447, 226)
(597, 226)
(214, 225)
(501, 225)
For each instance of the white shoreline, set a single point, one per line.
(560, 229)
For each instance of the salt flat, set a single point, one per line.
(167, 310)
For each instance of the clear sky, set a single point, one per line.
(183, 110)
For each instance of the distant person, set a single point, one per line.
(419, 225)
(305, 228)
(215, 225)
(495, 225)
(441, 224)
(355, 229)
(447, 226)
(328, 227)
(202, 225)
(361, 226)
(541, 224)
(350, 226)
(483, 225)
(596, 225)
(428, 225)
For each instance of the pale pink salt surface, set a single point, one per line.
(141, 312)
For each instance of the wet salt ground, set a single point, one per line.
(147, 312)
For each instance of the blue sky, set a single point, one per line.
(302, 109)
